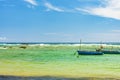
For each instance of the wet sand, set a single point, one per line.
(2, 77)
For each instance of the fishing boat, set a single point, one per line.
(89, 53)
(82, 52)
(110, 52)
(101, 49)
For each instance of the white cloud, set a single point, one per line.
(51, 7)
(33, 2)
(111, 9)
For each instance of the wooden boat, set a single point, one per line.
(89, 53)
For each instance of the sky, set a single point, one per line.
(59, 20)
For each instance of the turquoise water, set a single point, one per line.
(58, 43)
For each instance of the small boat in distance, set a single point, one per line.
(101, 49)
(110, 52)
(82, 52)
(89, 53)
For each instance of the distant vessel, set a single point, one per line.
(89, 53)
(110, 52)
(81, 52)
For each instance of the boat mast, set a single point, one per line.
(80, 44)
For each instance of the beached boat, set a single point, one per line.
(89, 53)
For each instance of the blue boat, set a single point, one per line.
(110, 52)
(101, 49)
(89, 53)
(81, 52)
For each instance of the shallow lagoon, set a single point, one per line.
(58, 61)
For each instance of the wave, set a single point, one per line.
(59, 43)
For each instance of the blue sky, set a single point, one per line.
(59, 20)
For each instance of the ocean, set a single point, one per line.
(60, 43)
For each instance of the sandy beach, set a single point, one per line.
(52, 78)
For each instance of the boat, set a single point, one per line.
(110, 52)
(82, 52)
(89, 53)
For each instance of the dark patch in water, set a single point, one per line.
(2, 77)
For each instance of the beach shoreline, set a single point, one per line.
(6, 77)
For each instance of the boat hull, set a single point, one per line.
(89, 53)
